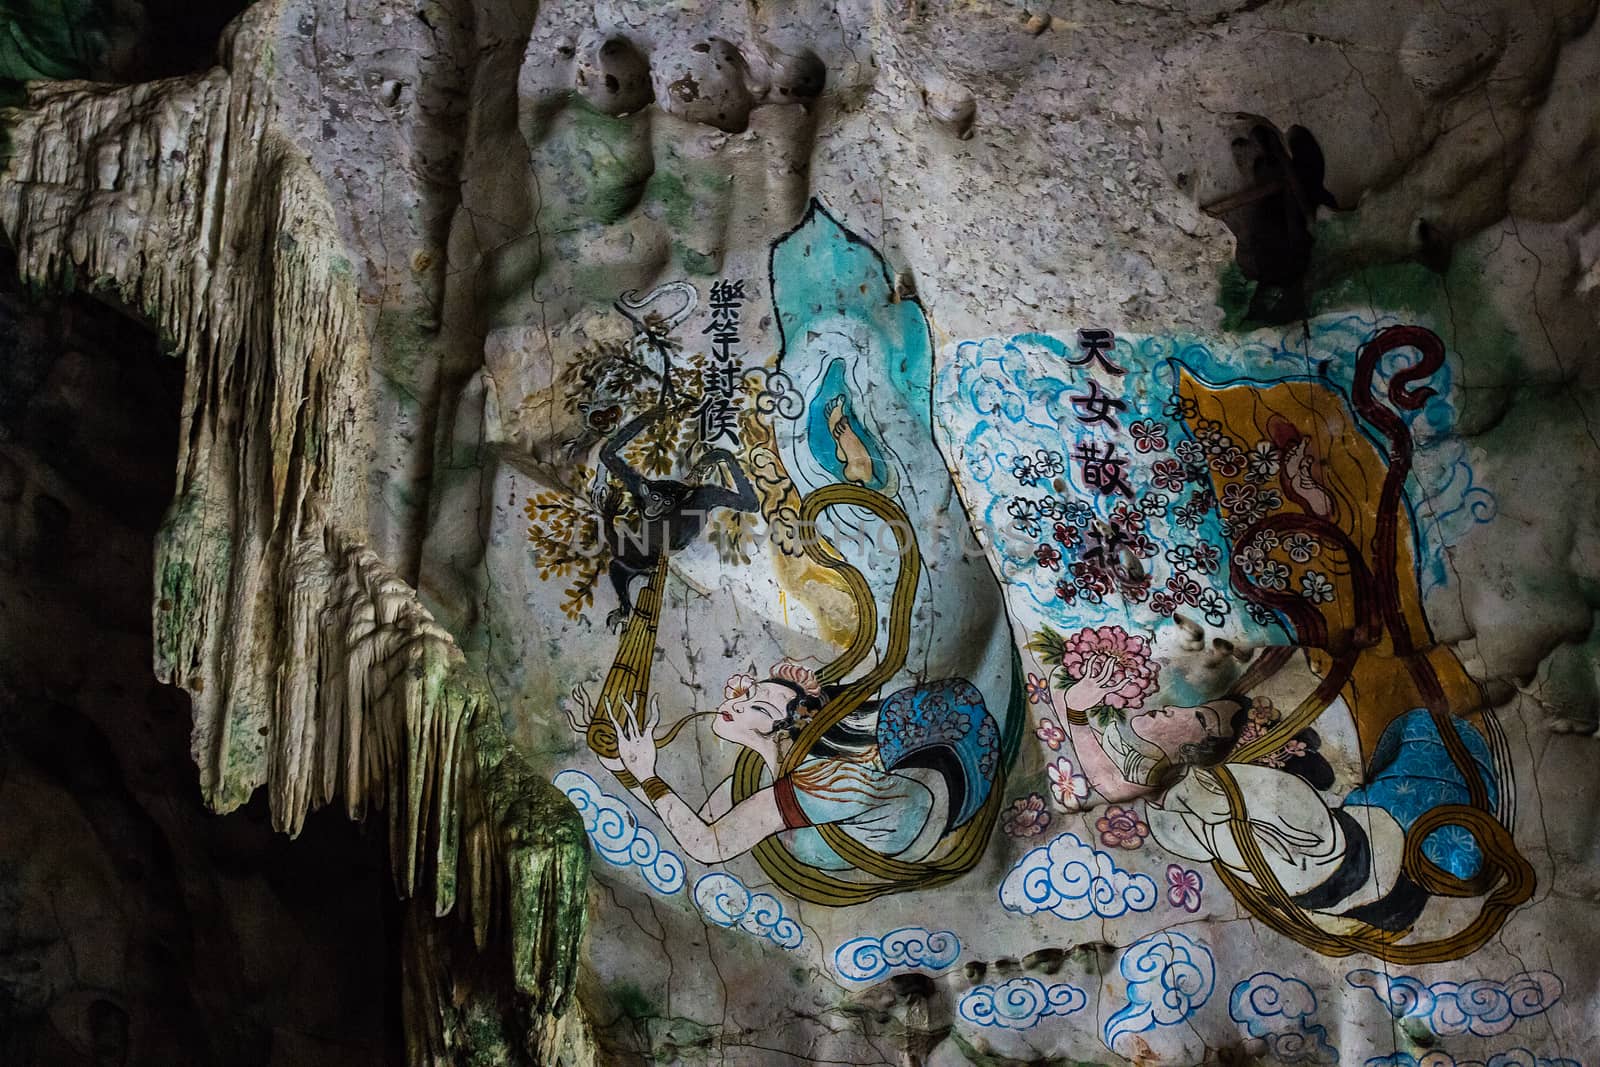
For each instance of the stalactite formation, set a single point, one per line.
(314, 670)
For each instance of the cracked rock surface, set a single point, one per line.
(1025, 534)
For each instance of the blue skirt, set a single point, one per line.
(1412, 772)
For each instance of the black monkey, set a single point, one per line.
(671, 513)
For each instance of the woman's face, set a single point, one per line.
(1170, 728)
(751, 711)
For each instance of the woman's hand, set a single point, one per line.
(580, 713)
(636, 742)
(1090, 691)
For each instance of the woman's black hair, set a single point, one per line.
(1313, 767)
(855, 734)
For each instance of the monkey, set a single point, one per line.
(671, 513)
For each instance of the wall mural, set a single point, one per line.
(1223, 700)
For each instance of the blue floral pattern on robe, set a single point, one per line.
(1412, 773)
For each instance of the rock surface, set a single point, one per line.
(1118, 480)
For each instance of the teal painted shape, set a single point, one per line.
(820, 271)
(819, 439)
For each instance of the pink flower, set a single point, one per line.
(1149, 435)
(738, 687)
(1168, 474)
(1070, 788)
(1183, 887)
(1027, 816)
(1121, 828)
(1135, 677)
(1287, 751)
(1038, 690)
(1051, 733)
(1184, 589)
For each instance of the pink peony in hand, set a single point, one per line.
(1135, 677)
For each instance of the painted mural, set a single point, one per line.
(1043, 638)
(1274, 505)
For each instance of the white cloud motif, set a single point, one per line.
(1482, 1007)
(1072, 880)
(726, 901)
(1170, 977)
(1019, 1003)
(617, 835)
(1281, 1010)
(862, 959)
(1516, 1057)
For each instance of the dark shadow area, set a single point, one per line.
(1272, 217)
(136, 927)
(110, 40)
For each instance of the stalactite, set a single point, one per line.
(314, 670)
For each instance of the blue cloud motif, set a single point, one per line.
(1516, 1057)
(1019, 1003)
(1170, 977)
(726, 901)
(1072, 880)
(1280, 1010)
(862, 959)
(1482, 1007)
(617, 834)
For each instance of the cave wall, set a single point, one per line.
(1120, 519)
(138, 927)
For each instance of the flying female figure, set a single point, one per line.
(1340, 863)
(895, 775)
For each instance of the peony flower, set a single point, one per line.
(738, 687)
(1183, 887)
(1121, 828)
(1069, 787)
(1135, 677)
(1050, 732)
(1038, 689)
(1027, 816)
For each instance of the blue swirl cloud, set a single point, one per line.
(862, 959)
(1072, 880)
(1515, 1057)
(726, 901)
(1170, 977)
(617, 835)
(1019, 1003)
(1280, 1010)
(1482, 1007)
